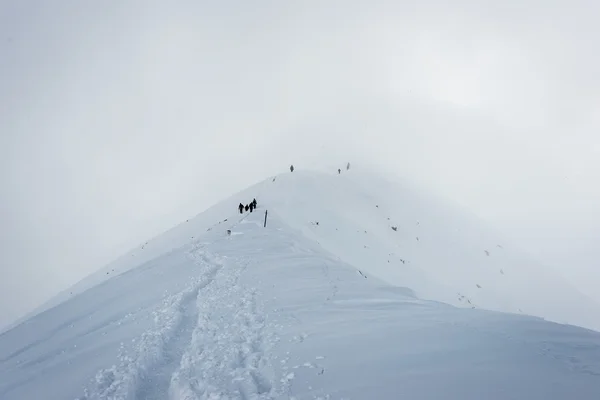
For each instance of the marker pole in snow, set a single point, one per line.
(265, 219)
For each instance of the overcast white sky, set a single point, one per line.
(119, 119)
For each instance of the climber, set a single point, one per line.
(247, 207)
(241, 208)
(254, 202)
(291, 168)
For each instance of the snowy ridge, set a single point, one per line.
(394, 231)
(304, 309)
(218, 216)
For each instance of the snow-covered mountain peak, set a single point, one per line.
(396, 232)
(340, 296)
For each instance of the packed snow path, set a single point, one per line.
(209, 342)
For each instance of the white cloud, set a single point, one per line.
(118, 120)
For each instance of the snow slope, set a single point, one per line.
(440, 251)
(305, 311)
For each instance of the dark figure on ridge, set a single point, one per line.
(247, 207)
(291, 168)
(254, 202)
(241, 208)
(251, 207)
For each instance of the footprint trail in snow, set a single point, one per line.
(209, 342)
(226, 357)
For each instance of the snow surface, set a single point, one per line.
(328, 301)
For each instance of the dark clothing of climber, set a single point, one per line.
(251, 207)
(254, 202)
(241, 208)
(247, 207)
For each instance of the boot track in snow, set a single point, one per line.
(226, 356)
(209, 342)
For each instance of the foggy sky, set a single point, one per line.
(120, 119)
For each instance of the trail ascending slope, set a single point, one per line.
(230, 348)
(159, 349)
(266, 313)
(210, 330)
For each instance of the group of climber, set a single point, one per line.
(347, 168)
(248, 207)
